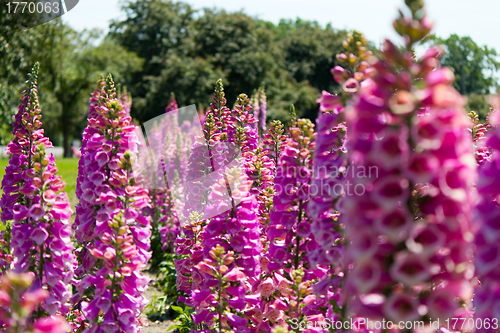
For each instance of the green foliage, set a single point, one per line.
(185, 318)
(15, 62)
(474, 66)
(163, 265)
(310, 50)
(186, 51)
(166, 278)
(158, 31)
(478, 103)
(70, 62)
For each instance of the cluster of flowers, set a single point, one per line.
(165, 170)
(221, 253)
(259, 106)
(223, 267)
(478, 131)
(415, 210)
(113, 236)
(262, 237)
(410, 232)
(37, 209)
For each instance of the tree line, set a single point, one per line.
(163, 47)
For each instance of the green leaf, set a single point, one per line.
(177, 308)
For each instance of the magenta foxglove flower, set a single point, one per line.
(113, 236)
(328, 185)
(409, 211)
(39, 211)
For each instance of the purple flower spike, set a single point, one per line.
(37, 230)
(114, 240)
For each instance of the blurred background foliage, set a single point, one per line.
(187, 50)
(163, 47)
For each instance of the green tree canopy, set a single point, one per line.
(186, 51)
(15, 62)
(70, 64)
(474, 66)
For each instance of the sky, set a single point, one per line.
(478, 19)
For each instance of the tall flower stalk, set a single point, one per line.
(328, 185)
(286, 283)
(259, 109)
(409, 211)
(276, 139)
(117, 237)
(263, 109)
(37, 207)
(223, 250)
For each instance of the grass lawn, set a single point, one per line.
(68, 169)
